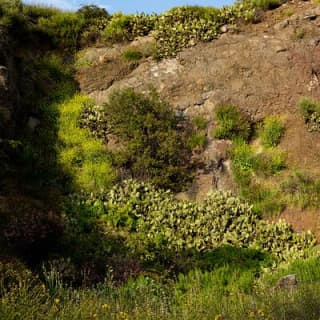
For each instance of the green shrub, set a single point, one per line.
(272, 132)
(155, 145)
(132, 55)
(267, 201)
(182, 27)
(302, 190)
(126, 27)
(36, 11)
(165, 224)
(299, 33)
(92, 117)
(246, 163)
(266, 4)
(200, 123)
(96, 20)
(310, 110)
(198, 140)
(63, 28)
(230, 123)
(143, 24)
(243, 162)
(92, 13)
(118, 28)
(11, 6)
(269, 162)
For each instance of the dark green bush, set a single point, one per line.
(230, 123)
(92, 13)
(155, 144)
(64, 28)
(266, 4)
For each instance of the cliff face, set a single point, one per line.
(263, 69)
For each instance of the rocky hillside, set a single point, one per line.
(146, 161)
(263, 69)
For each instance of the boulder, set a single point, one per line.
(288, 282)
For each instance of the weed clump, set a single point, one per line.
(272, 131)
(310, 110)
(231, 124)
(132, 55)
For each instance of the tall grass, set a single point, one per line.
(196, 296)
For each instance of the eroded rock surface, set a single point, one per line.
(263, 69)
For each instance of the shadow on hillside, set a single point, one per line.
(32, 182)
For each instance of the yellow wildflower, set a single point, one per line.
(105, 306)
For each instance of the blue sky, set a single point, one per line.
(128, 6)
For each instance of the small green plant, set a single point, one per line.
(230, 123)
(267, 200)
(310, 110)
(92, 117)
(272, 131)
(269, 162)
(198, 140)
(200, 123)
(302, 190)
(132, 55)
(299, 33)
(288, 13)
(243, 162)
(246, 163)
